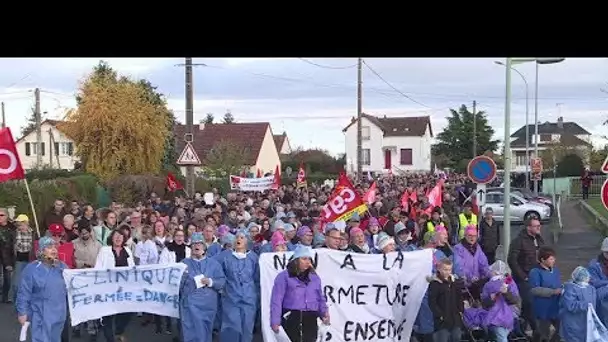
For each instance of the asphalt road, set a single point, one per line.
(135, 332)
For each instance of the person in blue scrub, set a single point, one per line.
(212, 247)
(227, 242)
(201, 283)
(598, 269)
(290, 234)
(42, 293)
(240, 298)
(546, 290)
(576, 298)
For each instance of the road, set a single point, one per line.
(137, 333)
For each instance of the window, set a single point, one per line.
(31, 149)
(366, 156)
(495, 198)
(545, 138)
(406, 156)
(365, 133)
(520, 159)
(64, 148)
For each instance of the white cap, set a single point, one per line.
(605, 245)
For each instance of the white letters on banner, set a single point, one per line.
(251, 184)
(94, 293)
(370, 297)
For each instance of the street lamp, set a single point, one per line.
(527, 159)
(506, 231)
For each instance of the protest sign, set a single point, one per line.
(251, 184)
(95, 293)
(371, 297)
(343, 202)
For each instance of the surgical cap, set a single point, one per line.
(500, 268)
(197, 237)
(278, 224)
(430, 237)
(580, 275)
(45, 242)
(222, 230)
(289, 227)
(228, 239)
(399, 226)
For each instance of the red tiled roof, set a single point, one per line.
(245, 135)
(279, 140)
(412, 126)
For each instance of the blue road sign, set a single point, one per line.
(481, 170)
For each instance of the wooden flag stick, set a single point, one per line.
(29, 195)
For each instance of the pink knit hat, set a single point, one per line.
(356, 231)
(277, 239)
(440, 229)
(470, 230)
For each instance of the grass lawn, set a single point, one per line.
(596, 204)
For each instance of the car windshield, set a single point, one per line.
(521, 194)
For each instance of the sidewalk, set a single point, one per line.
(578, 243)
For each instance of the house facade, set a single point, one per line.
(565, 134)
(397, 144)
(56, 149)
(282, 143)
(256, 138)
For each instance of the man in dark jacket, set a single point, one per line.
(523, 256)
(445, 301)
(55, 214)
(490, 235)
(7, 252)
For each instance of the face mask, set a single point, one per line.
(239, 255)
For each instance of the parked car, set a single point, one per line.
(521, 209)
(529, 196)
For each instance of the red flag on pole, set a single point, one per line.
(243, 173)
(370, 195)
(10, 164)
(172, 183)
(277, 178)
(259, 174)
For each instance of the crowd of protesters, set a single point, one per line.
(223, 238)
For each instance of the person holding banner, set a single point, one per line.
(41, 298)
(240, 297)
(201, 284)
(576, 299)
(297, 299)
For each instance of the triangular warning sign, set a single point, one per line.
(605, 166)
(188, 156)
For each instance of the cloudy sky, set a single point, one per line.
(313, 99)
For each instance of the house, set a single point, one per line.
(56, 149)
(390, 143)
(256, 137)
(566, 134)
(282, 143)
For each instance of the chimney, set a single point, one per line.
(201, 125)
(560, 122)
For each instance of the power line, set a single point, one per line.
(326, 66)
(393, 87)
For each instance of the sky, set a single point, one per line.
(313, 99)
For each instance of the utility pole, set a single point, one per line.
(38, 128)
(474, 128)
(359, 118)
(190, 179)
(3, 117)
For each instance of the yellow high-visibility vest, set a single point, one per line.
(464, 222)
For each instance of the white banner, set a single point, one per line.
(251, 184)
(94, 293)
(370, 297)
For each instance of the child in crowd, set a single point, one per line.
(546, 289)
(445, 301)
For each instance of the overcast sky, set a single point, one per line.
(312, 103)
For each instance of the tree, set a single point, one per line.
(224, 159)
(315, 160)
(597, 157)
(554, 153)
(228, 118)
(119, 127)
(209, 118)
(30, 125)
(570, 165)
(456, 140)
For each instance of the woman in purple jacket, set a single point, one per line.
(297, 298)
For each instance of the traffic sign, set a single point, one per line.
(480, 197)
(605, 166)
(188, 156)
(536, 176)
(481, 170)
(536, 164)
(605, 194)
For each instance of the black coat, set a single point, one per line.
(523, 254)
(490, 236)
(445, 301)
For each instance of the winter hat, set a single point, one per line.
(399, 226)
(222, 230)
(355, 218)
(605, 245)
(22, 218)
(355, 231)
(302, 252)
(277, 239)
(45, 242)
(384, 241)
(440, 229)
(373, 222)
(303, 231)
(228, 239)
(470, 229)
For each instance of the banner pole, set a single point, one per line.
(29, 195)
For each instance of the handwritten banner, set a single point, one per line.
(251, 184)
(95, 293)
(371, 297)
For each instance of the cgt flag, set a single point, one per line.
(343, 202)
(301, 181)
(10, 164)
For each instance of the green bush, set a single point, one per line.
(50, 174)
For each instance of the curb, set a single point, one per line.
(597, 217)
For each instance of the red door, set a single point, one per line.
(387, 159)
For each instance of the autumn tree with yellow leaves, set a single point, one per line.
(121, 126)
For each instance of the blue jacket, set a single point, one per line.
(599, 280)
(545, 303)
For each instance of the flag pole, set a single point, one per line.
(29, 195)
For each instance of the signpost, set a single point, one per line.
(188, 157)
(481, 170)
(536, 164)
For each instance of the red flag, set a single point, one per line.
(259, 174)
(277, 178)
(370, 195)
(244, 173)
(342, 201)
(474, 206)
(10, 164)
(301, 180)
(172, 183)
